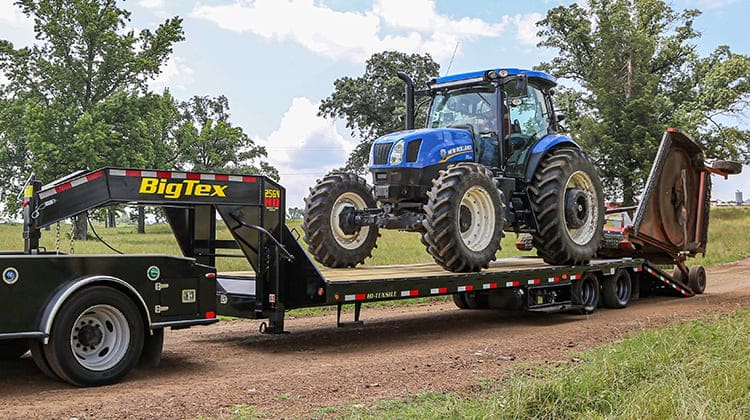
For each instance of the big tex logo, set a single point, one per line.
(187, 187)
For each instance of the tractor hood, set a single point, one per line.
(421, 148)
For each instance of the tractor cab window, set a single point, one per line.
(528, 112)
(530, 119)
(473, 109)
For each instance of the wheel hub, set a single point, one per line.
(347, 221)
(464, 219)
(90, 335)
(576, 208)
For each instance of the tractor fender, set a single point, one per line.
(541, 148)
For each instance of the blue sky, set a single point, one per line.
(277, 59)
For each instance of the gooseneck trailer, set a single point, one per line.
(89, 319)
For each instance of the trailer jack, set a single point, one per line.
(357, 311)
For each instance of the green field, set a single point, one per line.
(728, 241)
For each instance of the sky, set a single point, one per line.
(275, 60)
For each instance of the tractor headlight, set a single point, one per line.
(397, 153)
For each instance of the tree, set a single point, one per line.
(207, 140)
(373, 103)
(639, 72)
(67, 93)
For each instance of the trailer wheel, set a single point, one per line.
(585, 293)
(330, 232)
(96, 338)
(13, 349)
(460, 300)
(567, 198)
(697, 279)
(464, 218)
(617, 289)
(40, 360)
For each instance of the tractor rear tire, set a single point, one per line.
(567, 198)
(330, 240)
(464, 218)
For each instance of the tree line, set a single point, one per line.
(78, 98)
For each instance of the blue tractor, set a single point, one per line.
(489, 160)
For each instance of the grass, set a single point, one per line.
(691, 370)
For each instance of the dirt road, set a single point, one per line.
(399, 351)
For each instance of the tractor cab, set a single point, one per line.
(501, 135)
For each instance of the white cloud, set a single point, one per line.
(304, 147)
(412, 26)
(526, 28)
(10, 13)
(175, 74)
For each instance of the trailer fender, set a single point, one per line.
(63, 293)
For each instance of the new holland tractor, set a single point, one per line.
(489, 160)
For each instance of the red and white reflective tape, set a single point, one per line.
(182, 175)
(489, 286)
(409, 293)
(575, 277)
(70, 184)
(439, 291)
(512, 283)
(358, 296)
(467, 288)
(533, 282)
(553, 279)
(638, 269)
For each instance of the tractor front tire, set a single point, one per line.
(463, 218)
(567, 198)
(332, 239)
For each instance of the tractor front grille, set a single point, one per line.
(380, 153)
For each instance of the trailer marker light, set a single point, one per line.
(321, 292)
(210, 275)
(337, 296)
(210, 315)
(564, 277)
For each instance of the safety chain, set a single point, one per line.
(72, 235)
(57, 238)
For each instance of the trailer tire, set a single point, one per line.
(40, 360)
(585, 293)
(331, 243)
(697, 279)
(617, 289)
(464, 218)
(13, 349)
(96, 338)
(460, 300)
(568, 201)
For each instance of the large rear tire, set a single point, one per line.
(568, 201)
(96, 338)
(464, 218)
(331, 235)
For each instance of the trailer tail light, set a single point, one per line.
(210, 315)
(210, 275)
